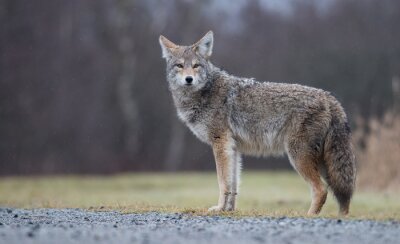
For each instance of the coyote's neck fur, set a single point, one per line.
(195, 107)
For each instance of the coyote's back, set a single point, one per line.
(242, 116)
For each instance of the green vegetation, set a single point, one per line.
(262, 193)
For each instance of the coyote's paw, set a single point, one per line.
(221, 209)
(215, 209)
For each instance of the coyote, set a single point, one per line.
(242, 116)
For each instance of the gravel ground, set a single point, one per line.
(78, 226)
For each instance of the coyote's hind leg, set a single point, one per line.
(306, 166)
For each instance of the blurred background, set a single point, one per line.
(83, 89)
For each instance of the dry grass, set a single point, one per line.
(262, 194)
(379, 163)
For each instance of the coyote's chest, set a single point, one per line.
(196, 122)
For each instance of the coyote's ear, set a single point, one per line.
(205, 45)
(167, 47)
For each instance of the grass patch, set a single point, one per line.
(262, 194)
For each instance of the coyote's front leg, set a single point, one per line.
(227, 160)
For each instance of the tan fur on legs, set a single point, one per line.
(307, 168)
(319, 193)
(224, 154)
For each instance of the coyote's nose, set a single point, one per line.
(189, 80)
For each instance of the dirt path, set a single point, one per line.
(79, 226)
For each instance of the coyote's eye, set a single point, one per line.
(179, 66)
(196, 66)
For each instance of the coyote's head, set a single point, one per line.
(187, 66)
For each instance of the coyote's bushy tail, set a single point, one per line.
(340, 160)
